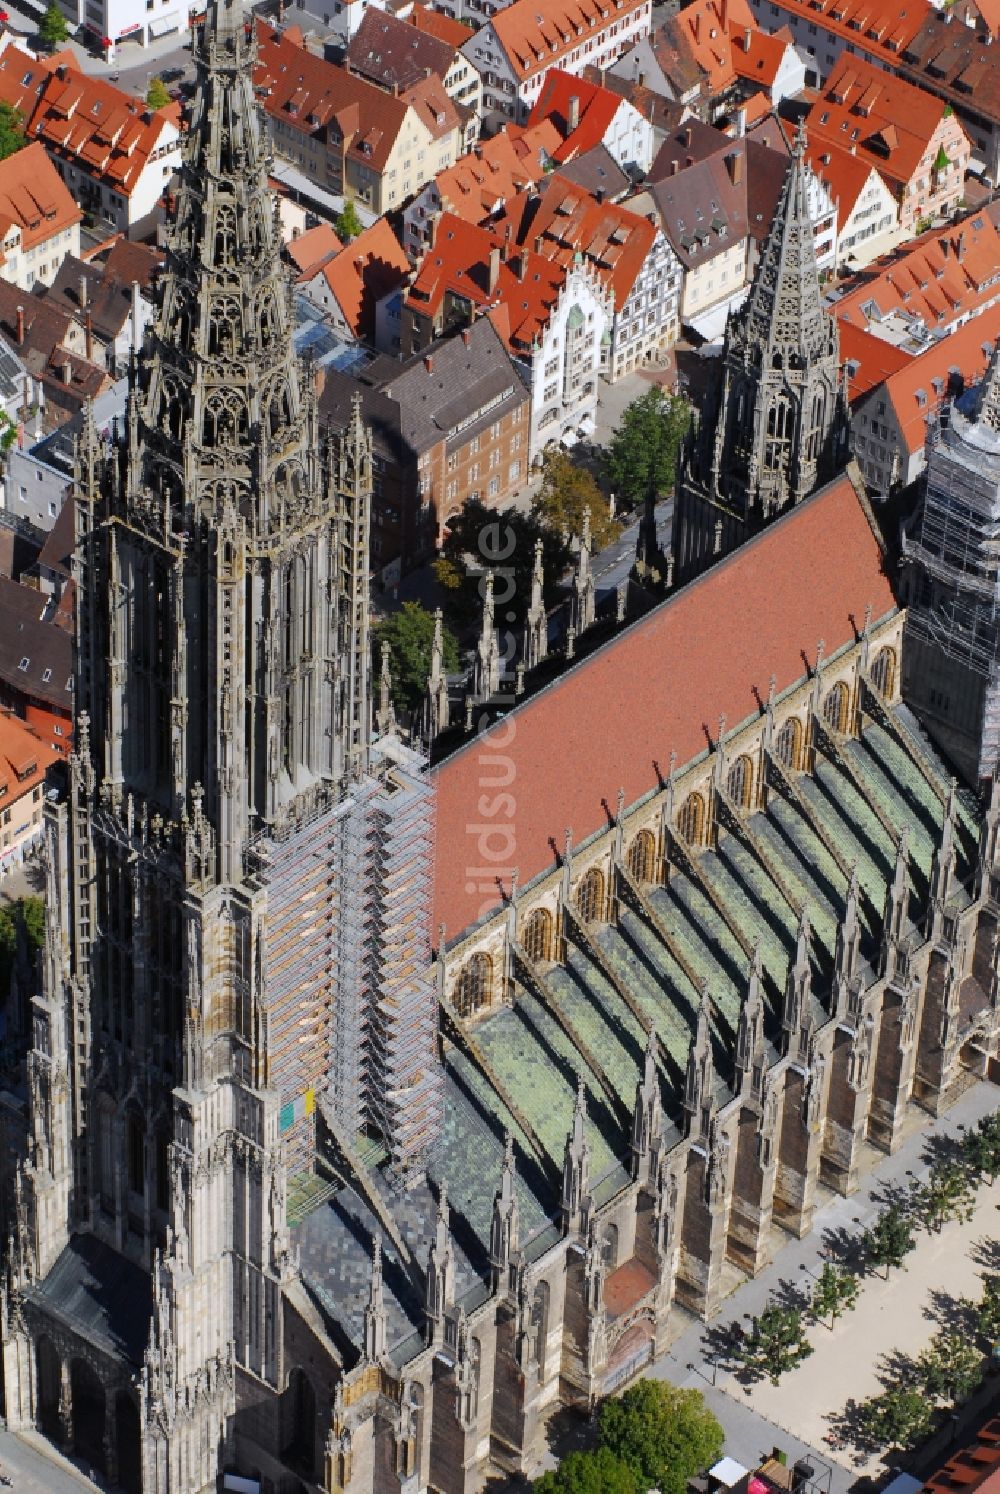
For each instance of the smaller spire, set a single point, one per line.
(584, 595)
(385, 716)
(486, 681)
(376, 1322)
(536, 626)
(699, 1082)
(648, 1113)
(504, 1233)
(576, 1166)
(750, 1029)
(437, 713)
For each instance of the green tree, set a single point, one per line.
(52, 28)
(598, 1472)
(347, 224)
(8, 945)
(157, 96)
(11, 131)
(775, 1344)
(33, 913)
(890, 1239)
(950, 1367)
(502, 541)
(644, 448)
(409, 635)
(988, 1310)
(664, 1433)
(836, 1291)
(900, 1417)
(981, 1147)
(566, 494)
(948, 1193)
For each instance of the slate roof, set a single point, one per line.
(522, 1052)
(711, 645)
(394, 54)
(596, 171)
(108, 298)
(100, 1294)
(703, 212)
(24, 635)
(417, 403)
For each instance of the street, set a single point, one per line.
(34, 1466)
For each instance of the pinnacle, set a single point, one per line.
(784, 310)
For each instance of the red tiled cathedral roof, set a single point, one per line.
(659, 687)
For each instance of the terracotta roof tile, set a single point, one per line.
(535, 34)
(613, 720)
(917, 389)
(439, 25)
(707, 26)
(869, 359)
(496, 169)
(363, 272)
(108, 132)
(34, 196)
(313, 248)
(596, 106)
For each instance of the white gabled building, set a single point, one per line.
(518, 46)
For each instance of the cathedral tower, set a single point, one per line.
(776, 427)
(190, 1009)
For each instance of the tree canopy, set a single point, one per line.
(951, 1367)
(890, 1239)
(948, 1193)
(567, 493)
(598, 1472)
(409, 635)
(643, 450)
(53, 28)
(502, 541)
(836, 1291)
(897, 1418)
(11, 131)
(347, 224)
(665, 1433)
(157, 96)
(775, 1344)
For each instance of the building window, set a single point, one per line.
(475, 985)
(537, 937)
(691, 820)
(788, 747)
(590, 896)
(641, 857)
(836, 707)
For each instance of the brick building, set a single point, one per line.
(449, 425)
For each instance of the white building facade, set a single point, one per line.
(565, 365)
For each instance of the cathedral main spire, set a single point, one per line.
(777, 427)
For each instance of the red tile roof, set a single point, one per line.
(886, 26)
(757, 55)
(917, 389)
(363, 272)
(563, 222)
(707, 26)
(24, 758)
(888, 122)
(613, 720)
(22, 79)
(312, 249)
(597, 107)
(941, 277)
(441, 26)
(871, 359)
(976, 1466)
(528, 285)
(481, 182)
(110, 134)
(34, 196)
(535, 34)
(845, 175)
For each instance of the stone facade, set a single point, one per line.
(777, 425)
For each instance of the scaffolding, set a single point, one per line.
(299, 871)
(954, 551)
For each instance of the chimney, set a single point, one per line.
(641, 80)
(747, 36)
(573, 114)
(20, 325)
(66, 370)
(465, 336)
(960, 247)
(429, 363)
(675, 166)
(83, 291)
(494, 270)
(88, 335)
(734, 165)
(687, 136)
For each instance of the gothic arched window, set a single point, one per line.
(135, 1150)
(739, 784)
(884, 673)
(641, 857)
(788, 744)
(836, 707)
(537, 937)
(475, 985)
(691, 820)
(590, 896)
